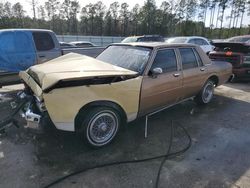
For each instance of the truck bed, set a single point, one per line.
(9, 78)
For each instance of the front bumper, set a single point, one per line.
(33, 120)
(33, 112)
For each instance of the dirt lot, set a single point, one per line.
(219, 155)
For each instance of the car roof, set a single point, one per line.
(17, 29)
(144, 36)
(240, 36)
(189, 37)
(76, 42)
(155, 44)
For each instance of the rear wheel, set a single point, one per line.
(100, 126)
(206, 94)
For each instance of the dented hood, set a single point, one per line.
(73, 67)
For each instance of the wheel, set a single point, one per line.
(100, 126)
(206, 94)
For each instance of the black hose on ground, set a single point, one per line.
(164, 156)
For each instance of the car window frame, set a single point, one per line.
(197, 54)
(179, 53)
(151, 60)
(42, 32)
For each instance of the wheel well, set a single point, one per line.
(83, 111)
(215, 79)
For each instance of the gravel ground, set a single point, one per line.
(219, 155)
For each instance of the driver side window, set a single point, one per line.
(166, 60)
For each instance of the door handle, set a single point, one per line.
(176, 74)
(202, 69)
(41, 56)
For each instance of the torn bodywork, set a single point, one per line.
(59, 82)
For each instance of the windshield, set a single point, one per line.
(128, 57)
(129, 39)
(177, 40)
(239, 39)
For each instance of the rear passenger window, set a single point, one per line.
(188, 58)
(165, 59)
(43, 41)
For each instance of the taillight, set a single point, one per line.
(229, 53)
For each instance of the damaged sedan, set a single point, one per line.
(95, 96)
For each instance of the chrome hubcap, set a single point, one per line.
(208, 92)
(102, 127)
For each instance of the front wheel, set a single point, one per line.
(100, 126)
(206, 94)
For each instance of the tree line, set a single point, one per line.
(171, 18)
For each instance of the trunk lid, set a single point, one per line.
(231, 47)
(230, 52)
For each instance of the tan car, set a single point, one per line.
(126, 81)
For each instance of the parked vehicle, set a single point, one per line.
(83, 44)
(144, 38)
(239, 39)
(66, 45)
(237, 53)
(200, 41)
(124, 82)
(22, 48)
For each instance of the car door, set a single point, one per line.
(194, 72)
(8, 52)
(161, 90)
(46, 47)
(25, 50)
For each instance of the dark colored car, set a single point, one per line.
(144, 38)
(236, 51)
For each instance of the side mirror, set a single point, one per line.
(156, 71)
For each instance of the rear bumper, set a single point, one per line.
(242, 73)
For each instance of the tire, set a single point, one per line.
(206, 94)
(100, 126)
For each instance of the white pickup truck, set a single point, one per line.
(22, 48)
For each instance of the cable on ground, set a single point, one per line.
(165, 157)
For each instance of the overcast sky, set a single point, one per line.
(131, 3)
